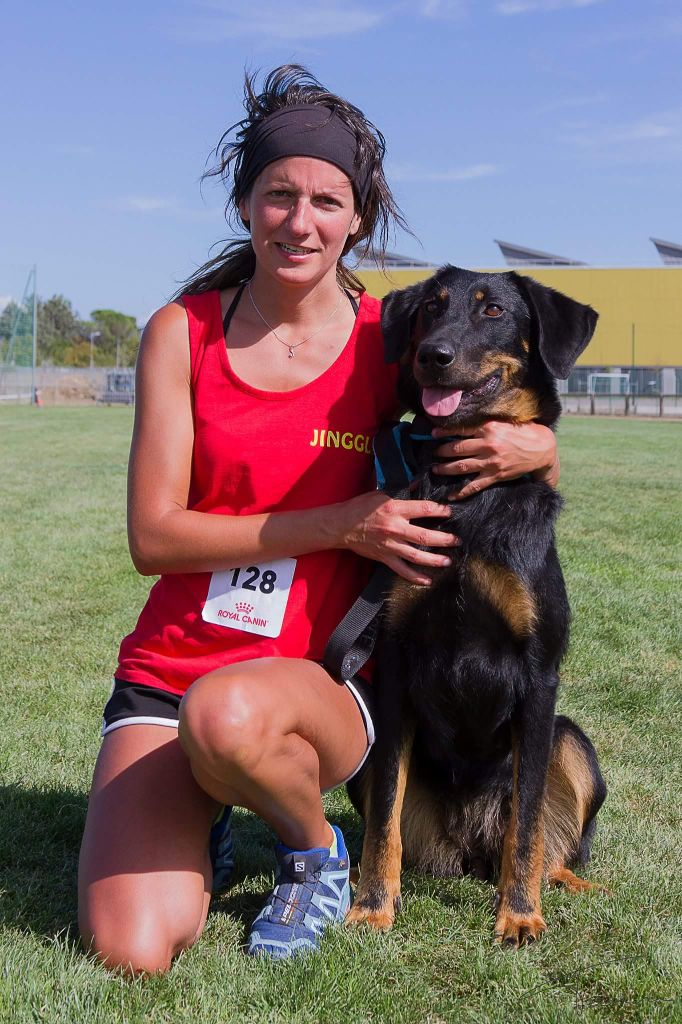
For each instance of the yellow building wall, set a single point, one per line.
(648, 297)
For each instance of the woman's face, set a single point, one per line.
(301, 211)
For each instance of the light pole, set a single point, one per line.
(94, 334)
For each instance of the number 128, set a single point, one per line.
(267, 579)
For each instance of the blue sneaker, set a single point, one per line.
(221, 850)
(311, 892)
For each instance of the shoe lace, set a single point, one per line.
(290, 899)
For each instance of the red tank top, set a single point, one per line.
(259, 451)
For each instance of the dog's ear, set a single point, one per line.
(398, 318)
(564, 327)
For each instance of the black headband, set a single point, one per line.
(306, 129)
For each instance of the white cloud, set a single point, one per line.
(221, 20)
(652, 128)
(569, 102)
(145, 204)
(442, 9)
(645, 130)
(409, 172)
(532, 6)
(171, 207)
(650, 30)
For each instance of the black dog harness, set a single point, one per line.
(403, 455)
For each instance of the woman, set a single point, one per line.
(250, 494)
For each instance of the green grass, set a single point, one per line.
(68, 593)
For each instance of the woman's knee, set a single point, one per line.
(143, 870)
(227, 718)
(142, 944)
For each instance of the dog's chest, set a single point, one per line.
(464, 641)
(437, 610)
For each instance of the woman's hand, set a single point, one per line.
(378, 527)
(499, 451)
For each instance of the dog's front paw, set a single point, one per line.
(380, 920)
(513, 929)
(376, 908)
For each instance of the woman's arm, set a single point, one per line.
(500, 451)
(167, 537)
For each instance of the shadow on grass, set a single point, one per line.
(40, 834)
(40, 837)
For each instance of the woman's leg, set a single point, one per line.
(269, 735)
(144, 875)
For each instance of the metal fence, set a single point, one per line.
(641, 380)
(58, 385)
(66, 385)
(661, 406)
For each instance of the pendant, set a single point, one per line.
(291, 352)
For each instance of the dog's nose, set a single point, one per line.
(438, 356)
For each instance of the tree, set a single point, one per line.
(58, 330)
(7, 318)
(119, 338)
(77, 354)
(64, 339)
(16, 324)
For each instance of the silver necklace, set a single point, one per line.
(298, 343)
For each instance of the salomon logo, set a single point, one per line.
(299, 865)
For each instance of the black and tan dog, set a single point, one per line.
(472, 770)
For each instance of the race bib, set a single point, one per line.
(253, 598)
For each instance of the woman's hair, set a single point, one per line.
(285, 86)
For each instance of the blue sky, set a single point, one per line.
(556, 124)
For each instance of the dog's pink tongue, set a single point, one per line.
(440, 401)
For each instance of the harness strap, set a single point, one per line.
(351, 644)
(401, 451)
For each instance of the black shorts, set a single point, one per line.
(137, 704)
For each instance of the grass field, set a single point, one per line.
(68, 592)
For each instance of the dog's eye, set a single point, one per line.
(493, 310)
(431, 307)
